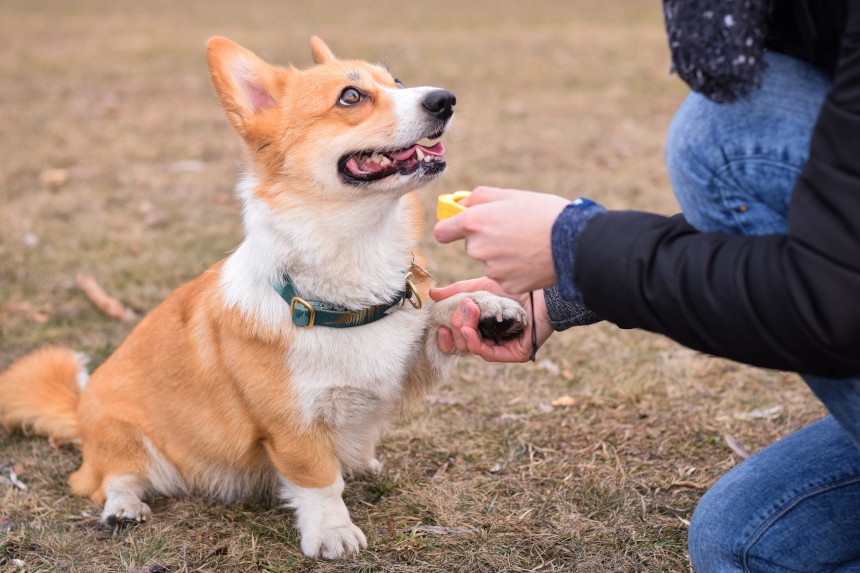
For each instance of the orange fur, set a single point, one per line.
(40, 393)
(199, 398)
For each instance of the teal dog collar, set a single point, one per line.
(310, 313)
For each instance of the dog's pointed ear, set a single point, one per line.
(246, 85)
(320, 52)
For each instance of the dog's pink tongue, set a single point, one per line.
(437, 150)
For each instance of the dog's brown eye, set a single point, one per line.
(350, 96)
(398, 83)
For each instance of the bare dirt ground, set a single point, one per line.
(118, 162)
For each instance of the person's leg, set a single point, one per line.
(791, 507)
(733, 168)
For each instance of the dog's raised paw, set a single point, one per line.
(501, 318)
(334, 543)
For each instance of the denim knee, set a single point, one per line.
(732, 167)
(693, 158)
(789, 507)
(713, 541)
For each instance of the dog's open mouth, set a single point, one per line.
(427, 155)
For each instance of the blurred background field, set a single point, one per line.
(117, 162)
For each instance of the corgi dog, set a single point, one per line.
(276, 370)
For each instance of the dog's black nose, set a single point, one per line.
(440, 103)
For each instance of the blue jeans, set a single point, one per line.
(794, 506)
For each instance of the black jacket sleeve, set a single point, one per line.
(789, 302)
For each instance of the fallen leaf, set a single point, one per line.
(760, 413)
(440, 472)
(40, 317)
(108, 305)
(13, 477)
(736, 446)
(564, 401)
(549, 366)
(31, 240)
(54, 178)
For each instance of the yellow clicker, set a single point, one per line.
(448, 205)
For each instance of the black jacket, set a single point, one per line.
(790, 302)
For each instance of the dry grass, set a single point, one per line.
(566, 98)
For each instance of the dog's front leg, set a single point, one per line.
(500, 318)
(311, 483)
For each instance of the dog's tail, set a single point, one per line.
(39, 393)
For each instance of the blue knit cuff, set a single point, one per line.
(564, 314)
(565, 233)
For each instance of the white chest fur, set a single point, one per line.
(350, 378)
(342, 374)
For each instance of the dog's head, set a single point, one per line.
(343, 125)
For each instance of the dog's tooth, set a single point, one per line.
(428, 159)
(376, 158)
(419, 154)
(384, 161)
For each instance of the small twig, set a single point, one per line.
(690, 484)
(106, 304)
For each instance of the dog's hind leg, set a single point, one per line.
(114, 472)
(122, 500)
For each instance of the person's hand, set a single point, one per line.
(464, 335)
(510, 231)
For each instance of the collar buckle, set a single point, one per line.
(411, 294)
(299, 318)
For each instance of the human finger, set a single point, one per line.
(450, 229)
(509, 351)
(485, 194)
(444, 340)
(465, 317)
(469, 285)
